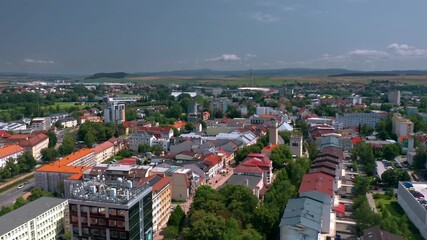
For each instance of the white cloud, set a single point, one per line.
(288, 8)
(264, 17)
(29, 60)
(406, 50)
(249, 55)
(224, 58)
(367, 53)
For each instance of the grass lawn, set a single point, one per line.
(391, 204)
(64, 106)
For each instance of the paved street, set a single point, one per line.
(8, 197)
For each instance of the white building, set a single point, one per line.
(43, 218)
(10, 151)
(296, 145)
(356, 119)
(415, 211)
(394, 97)
(114, 112)
(68, 122)
(402, 126)
(41, 123)
(14, 127)
(140, 138)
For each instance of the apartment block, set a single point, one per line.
(44, 218)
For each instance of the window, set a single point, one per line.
(84, 209)
(102, 211)
(94, 210)
(73, 208)
(120, 224)
(94, 232)
(121, 213)
(103, 232)
(114, 234)
(74, 219)
(93, 221)
(111, 223)
(85, 231)
(122, 235)
(102, 222)
(112, 212)
(83, 220)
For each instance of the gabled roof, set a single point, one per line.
(303, 212)
(325, 164)
(334, 150)
(256, 159)
(320, 182)
(248, 169)
(212, 159)
(102, 147)
(323, 170)
(9, 150)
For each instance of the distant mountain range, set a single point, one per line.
(330, 72)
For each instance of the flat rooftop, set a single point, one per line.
(420, 187)
(27, 212)
(99, 190)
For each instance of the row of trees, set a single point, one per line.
(23, 164)
(92, 133)
(175, 224)
(36, 193)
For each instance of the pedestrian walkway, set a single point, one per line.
(371, 202)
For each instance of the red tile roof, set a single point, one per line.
(212, 159)
(9, 150)
(4, 134)
(248, 169)
(158, 186)
(102, 147)
(320, 182)
(127, 124)
(128, 161)
(256, 159)
(269, 148)
(356, 140)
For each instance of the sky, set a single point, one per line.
(89, 36)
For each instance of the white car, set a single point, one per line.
(20, 186)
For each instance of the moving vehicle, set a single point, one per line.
(20, 186)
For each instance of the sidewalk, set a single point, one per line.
(371, 202)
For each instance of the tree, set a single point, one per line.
(89, 139)
(26, 162)
(170, 233)
(49, 154)
(177, 217)
(20, 201)
(365, 129)
(143, 148)
(240, 201)
(361, 185)
(364, 215)
(389, 178)
(364, 153)
(208, 227)
(131, 114)
(52, 138)
(390, 151)
(37, 193)
(281, 155)
(189, 126)
(68, 144)
(420, 157)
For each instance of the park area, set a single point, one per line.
(393, 216)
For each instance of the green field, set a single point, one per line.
(393, 207)
(259, 80)
(64, 105)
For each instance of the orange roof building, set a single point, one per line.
(267, 150)
(10, 151)
(51, 176)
